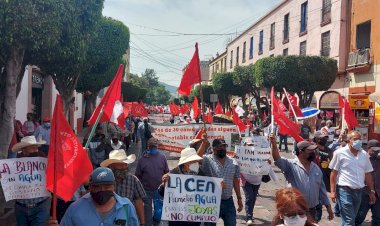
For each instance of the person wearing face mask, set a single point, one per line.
(373, 148)
(351, 170)
(150, 169)
(324, 155)
(127, 185)
(188, 164)
(30, 125)
(302, 173)
(116, 144)
(102, 206)
(43, 132)
(292, 209)
(218, 164)
(33, 211)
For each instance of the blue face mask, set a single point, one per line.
(153, 152)
(47, 124)
(357, 144)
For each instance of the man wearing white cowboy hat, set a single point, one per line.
(127, 185)
(33, 211)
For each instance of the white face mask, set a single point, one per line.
(297, 220)
(194, 167)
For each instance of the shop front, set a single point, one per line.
(330, 109)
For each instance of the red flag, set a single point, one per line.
(199, 134)
(218, 109)
(341, 102)
(228, 113)
(349, 116)
(192, 74)
(174, 109)
(67, 156)
(138, 109)
(184, 109)
(286, 125)
(208, 117)
(113, 108)
(292, 100)
(195, 107)
(238, 122)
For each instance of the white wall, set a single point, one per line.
(22, 99)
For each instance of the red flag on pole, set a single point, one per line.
(195, 107)
(208, 117)
(238, 122)
(218, 109)
(66, 156)
(349, 116)
(293, 106)
(192, 74)
(200, 133)
(113, 108)
(228, 113)
(286, 125)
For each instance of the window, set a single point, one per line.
(232, 56)
(286, 28)
(285, 52)
(303, 48)
(272, 35)
(261, 42)
(237, 56)
(251, 48)
(225, 64)
(363, 35)
(303, 18)
(326, 12)
(272, 55)
(325, 46)
(244, 47)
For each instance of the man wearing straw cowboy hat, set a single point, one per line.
(33, 211)
(127, 185)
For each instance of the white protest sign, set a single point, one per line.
(253, 160)
(192, 198)
(176, 137)
(159, 118)
(23, 178)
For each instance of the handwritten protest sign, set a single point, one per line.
(159, 118)
(253, 160)
(192, 198)
(23, 178)
(174, 138)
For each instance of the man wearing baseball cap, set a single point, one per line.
(303, 174)
(373, 149)
(101, 206)
(218, 164)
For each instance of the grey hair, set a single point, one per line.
(351, 134)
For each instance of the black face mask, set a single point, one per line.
(311, 157)
(101, 197)
(120, 173)
(322, 141)
(222, 153)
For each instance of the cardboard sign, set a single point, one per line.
(192, 198)
(253, 160)
(175, 138)
(159, 118)
(23, 178)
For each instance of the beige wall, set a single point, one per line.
(217, 65)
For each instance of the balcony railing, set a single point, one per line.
(359, 61)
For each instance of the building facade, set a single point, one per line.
(363, 66)
(217, 64)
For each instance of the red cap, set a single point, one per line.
(46, 119)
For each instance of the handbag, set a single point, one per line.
(157, 203)
(265, 178)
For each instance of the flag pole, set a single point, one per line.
(54, 212)
(94, 127)
(290, 105)
(272, 111)
(201, 90)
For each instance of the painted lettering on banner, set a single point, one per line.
(192, 198)
(253, 160)
(23, 178)
(159, 118)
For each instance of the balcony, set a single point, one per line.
(359, 61)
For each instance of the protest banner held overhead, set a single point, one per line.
(159, 118)
(192, 198)
(175, 138)
(253, 160)
(23, 178)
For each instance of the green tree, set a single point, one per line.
(26, 27)
(161, 95)
(207, 90)
(132, 92)
(223, 85)
(303, 75)
(151, 77)
(105, 54)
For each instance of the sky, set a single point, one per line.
(164, 32)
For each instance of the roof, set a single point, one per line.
(218, 57)
(260, 20)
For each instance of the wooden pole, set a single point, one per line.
(94, 127)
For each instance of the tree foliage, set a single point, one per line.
(223, 85)
(207, 90)
(132, 92)
(303, 75)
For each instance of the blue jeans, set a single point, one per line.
(365, 206)
(250, 192)
(148, 207)
(349, 203)
(36, 216)
(227, 213)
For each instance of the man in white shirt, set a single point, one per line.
(350, 167)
